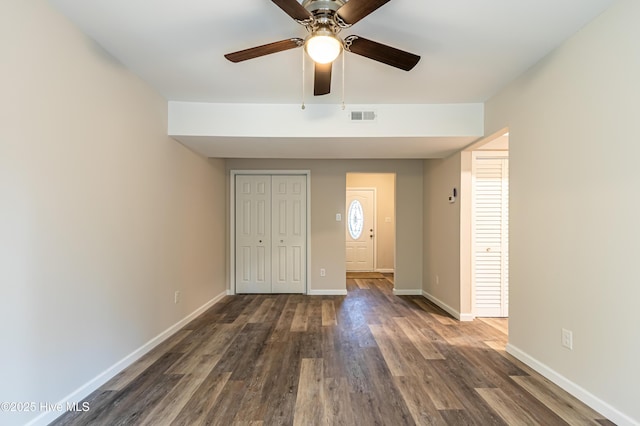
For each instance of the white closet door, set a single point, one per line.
(271, 233)
(491, 229)
(253, 234)
(289, 233)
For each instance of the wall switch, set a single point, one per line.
(437, 279)
(323, 272)
(338, 217)
(176, 297)
(567, 338)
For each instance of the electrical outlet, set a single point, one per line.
(567, 338)
(323, 272)
(176, 297)
(437, 279)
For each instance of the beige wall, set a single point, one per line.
(102, 216)
(574, 208)
(441, 272)
(328, 189)
(385, 238)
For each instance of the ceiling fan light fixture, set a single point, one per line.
(323, 48)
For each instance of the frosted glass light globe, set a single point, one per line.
(323, 49)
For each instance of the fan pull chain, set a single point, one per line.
(343, 60)
(303, 107)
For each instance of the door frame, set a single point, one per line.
(374, 220)
(231, 285)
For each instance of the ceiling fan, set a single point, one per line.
(324, 19)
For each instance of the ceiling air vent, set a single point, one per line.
(363, 115)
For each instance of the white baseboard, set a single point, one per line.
(336, 292)
(407, 292)
(457, 315)
(579, 392)
(385, 270)
(467, 317)
(102, 378)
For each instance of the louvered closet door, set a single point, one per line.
(491, 230)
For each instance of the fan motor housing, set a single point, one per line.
(315, 6)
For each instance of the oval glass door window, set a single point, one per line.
(355, 218)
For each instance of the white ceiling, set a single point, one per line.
(470, 49)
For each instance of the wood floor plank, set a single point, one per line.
(281, 380)
(328, 313)
(98, 401)
(244, 351)
(439, 390)
(459, 417)
(214, 314)
(218, 342)
(310, 399)
(300, 318)
(560, 402)
(422, 408)
(139, 396)
(361, 283)
(367, 358)
(285, 319)
(314, 315)
(194, 365)
(437, 313)
(385, 401)
(506, 408)
(196, 338)
(262, 311)
(174, 401)
(227, 405)
(427, 350)
(500, 324)
(337, 403)
(392, 356)
(202, 400)
(237, 306)
(125, 377)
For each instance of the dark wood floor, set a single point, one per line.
(369, 358)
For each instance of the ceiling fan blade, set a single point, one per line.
(265, 49)
(355, 10)
(381, 52)
(293, 9)
(322, 79)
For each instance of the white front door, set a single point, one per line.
(270, 235)
(360, 229)
(491, 233)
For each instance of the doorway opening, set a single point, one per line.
(370, 231)
(489, 224)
